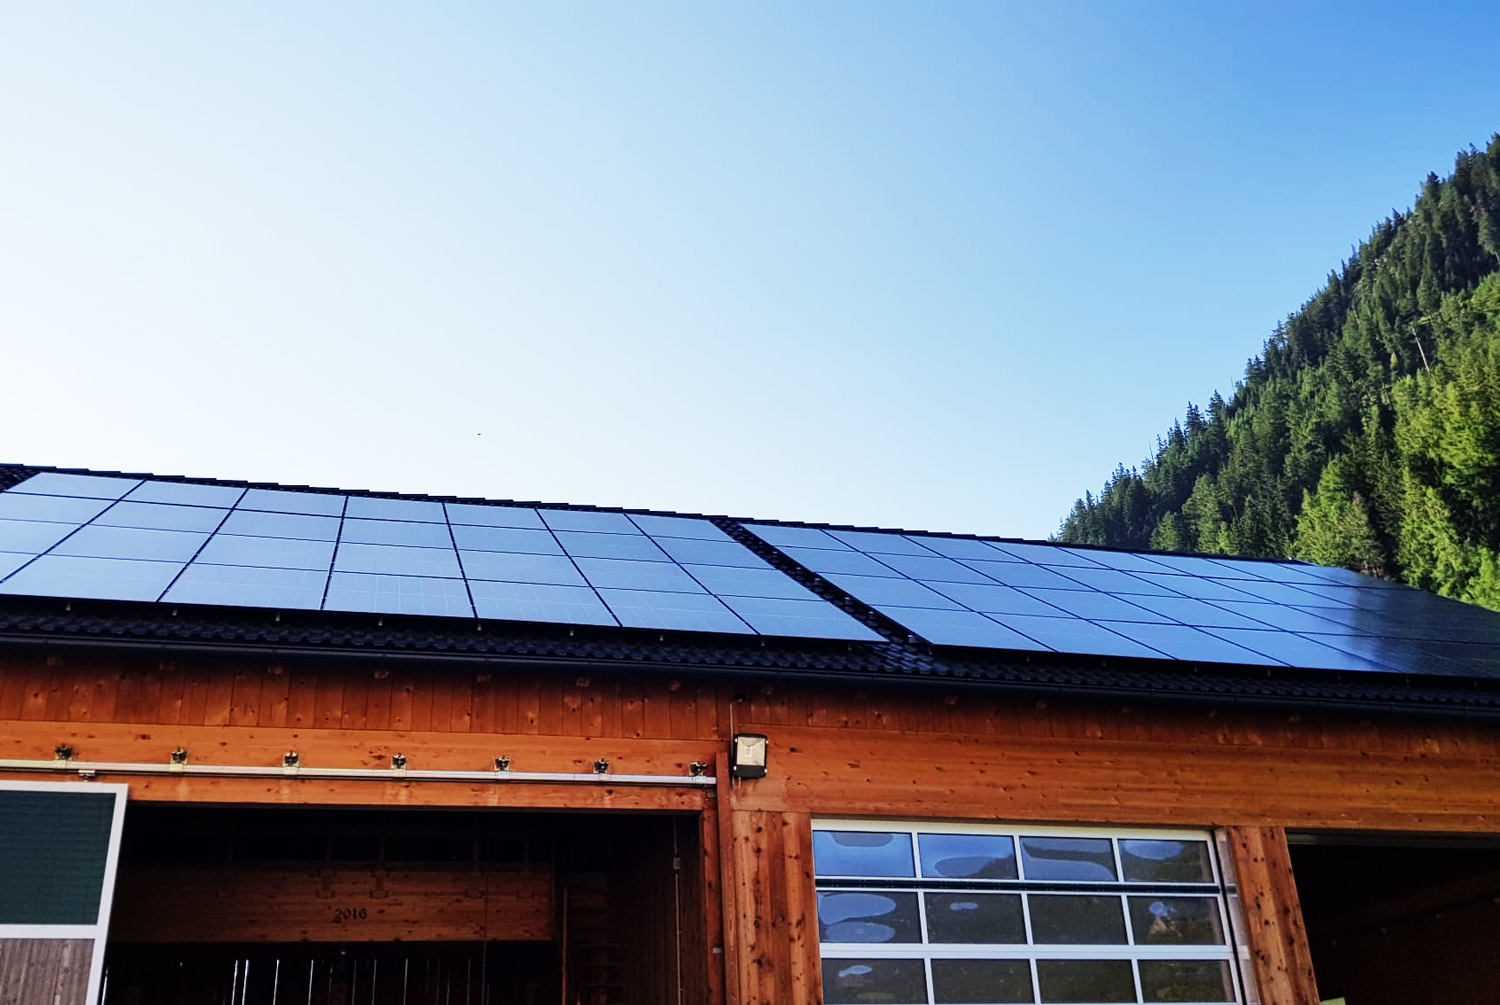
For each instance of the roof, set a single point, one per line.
(103, 558)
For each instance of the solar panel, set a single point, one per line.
(215, 544)
(1019, 595)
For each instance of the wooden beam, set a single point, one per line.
(1277, 937)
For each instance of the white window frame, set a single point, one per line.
(1223, 892)
(99, 931)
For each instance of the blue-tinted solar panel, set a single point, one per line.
(557, 570)
(686, 611)
(679, 526)
(1278, 572)
(280, 501)
(1432, 656)
(130, 542)
(940, 570)
(1195, 612)
(51, 509)
(614, 573)
(1288, 619)
(1346, 577)
(1182, 642)
(97, 578)
(307, 528)
(352, 591)
(158, 516)
(574, 605)
(52, 483)
(1114, 581)
(994, 599)
(394, 561)
(267, 552)
(32, 536)
(1023, 574)
(872, 543)
(406, 533)
(1074, 635)
(849, 562)
(523, 541)
(231, 586)
(1280, 593)
(880, 591)
(959, 628)
(1044, 554)
(795, 537)
(1294, 650)
(185, 494)
(588, 520)
(10, 563)
(1200, 589)
(470, 514)
(1096, 606)
(694, 552)
(727, 581)
(417, 511)
(1124, 561)
(961, 547)
(801, 618)
(635, 546)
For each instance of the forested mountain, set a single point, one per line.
(1367, 433)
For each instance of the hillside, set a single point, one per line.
(1367, 432)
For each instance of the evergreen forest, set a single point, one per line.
(1366, 434)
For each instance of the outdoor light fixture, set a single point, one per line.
(398, 762)
(601, 767)
(747, 755)
(179, 757)
(697, 768)
(290, 759)
(502, 764)
(63, 752)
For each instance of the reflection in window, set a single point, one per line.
(1086, 980)
(1166, 861)
(993, 918)
(1068, 858)
(981, 981)
(968, 856)
(875, 916)
(1097, 921)
(859, 982)
(858, 853)
(1176, 921)
(1186, 981)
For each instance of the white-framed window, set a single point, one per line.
(934, 913)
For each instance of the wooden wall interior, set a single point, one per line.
(331, 905)
(939, 752)
(54, 971)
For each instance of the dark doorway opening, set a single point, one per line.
(1398, 920)
(301, 906)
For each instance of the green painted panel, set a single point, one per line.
(53, 851)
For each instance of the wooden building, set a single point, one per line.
(264, 745)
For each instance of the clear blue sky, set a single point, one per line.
(939, 266)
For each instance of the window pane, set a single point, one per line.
(1166, 861)
(861, 853)
(1097, 921)
(1176, 921)
(981, 981)
(993, 918)
(1186, 981)
(868, 916)
(1086, 980)
(890, 982)
(968, 856)
(1067, 858)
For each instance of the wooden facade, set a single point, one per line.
(741, 874)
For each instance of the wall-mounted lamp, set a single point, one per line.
(747, 755)
(398, 762)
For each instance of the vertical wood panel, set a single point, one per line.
(1274, 928)
(275, 698)
(51, 971)
(775, 908)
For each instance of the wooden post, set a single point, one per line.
(1277, 937)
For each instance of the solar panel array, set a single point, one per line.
(89, 536)
(1004, 595)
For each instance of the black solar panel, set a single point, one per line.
(1013, 595)
(86, 536)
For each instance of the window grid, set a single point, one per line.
(1133, 949)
